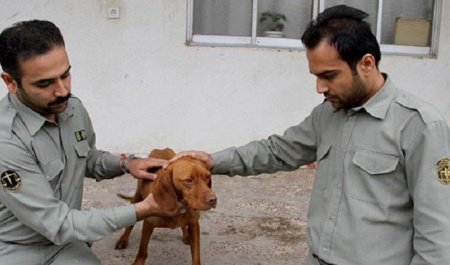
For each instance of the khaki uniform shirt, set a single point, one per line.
(42, 167)
(381, 193)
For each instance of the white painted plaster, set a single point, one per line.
(144, 88)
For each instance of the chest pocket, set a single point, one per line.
(52, 171)
(49, 160)
(82, 148)
(373, 178)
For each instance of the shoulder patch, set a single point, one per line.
(11, 180)
(443, 171)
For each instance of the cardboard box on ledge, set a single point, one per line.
(412, 32)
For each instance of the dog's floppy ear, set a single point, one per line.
(164, 192)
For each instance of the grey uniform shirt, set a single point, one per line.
(42, 167)
(381, 193)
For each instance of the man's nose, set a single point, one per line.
(321, 86)
(61, 89)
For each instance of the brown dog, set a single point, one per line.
(187, 181)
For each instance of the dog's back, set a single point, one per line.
(166, 153)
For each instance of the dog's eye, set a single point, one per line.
(207, 179)
(189, 181)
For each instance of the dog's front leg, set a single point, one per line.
(194, 240)
(147, 230)
(122, 242)
(185, 235)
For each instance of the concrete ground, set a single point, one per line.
(259, 220)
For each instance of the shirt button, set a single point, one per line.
(332, 217)
(338, 185)
(325, 249)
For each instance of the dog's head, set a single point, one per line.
(186, 180)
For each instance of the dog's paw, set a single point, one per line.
(121, 244)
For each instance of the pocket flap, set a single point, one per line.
(53, 169)
(82, 148)
(375, 163)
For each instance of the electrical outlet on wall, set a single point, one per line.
(113, 12)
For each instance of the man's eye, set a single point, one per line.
(328, 76)
(43, 84)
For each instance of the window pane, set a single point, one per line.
(368, 6)
(407, 22)
(297, 13)
(223, 17)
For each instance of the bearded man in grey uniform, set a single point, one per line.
(381, 192)
(47, 145)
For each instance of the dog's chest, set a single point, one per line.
(176, 221)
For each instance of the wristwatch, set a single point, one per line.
(124, 165)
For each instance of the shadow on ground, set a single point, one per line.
(259, 220)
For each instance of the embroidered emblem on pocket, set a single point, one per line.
(80, 135)
(443, 171)
(11, 180)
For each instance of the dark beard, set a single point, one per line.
(358, 95)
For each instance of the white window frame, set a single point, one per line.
(318, 6)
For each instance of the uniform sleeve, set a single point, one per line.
(428, 175)
(296, 147)
(34, 205)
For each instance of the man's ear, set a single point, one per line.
(367, 64)
(10, 82)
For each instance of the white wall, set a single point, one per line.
(146, 89)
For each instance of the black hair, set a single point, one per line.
(24, 40)
(345, 29)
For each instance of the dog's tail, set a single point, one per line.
(125, 197)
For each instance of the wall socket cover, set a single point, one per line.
(113, 12)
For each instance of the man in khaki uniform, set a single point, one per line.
(382, 188)
(47, 145)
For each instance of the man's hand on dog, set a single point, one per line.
(200, 155)
(148, 207)
(144, 168)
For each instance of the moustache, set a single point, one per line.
(60, 100)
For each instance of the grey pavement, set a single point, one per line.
(259, 220)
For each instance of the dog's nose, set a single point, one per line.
(212, 200)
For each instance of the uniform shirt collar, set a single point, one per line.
(33, 120)
(378, 105)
